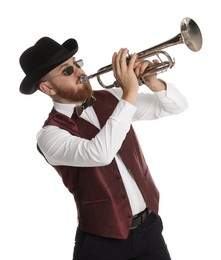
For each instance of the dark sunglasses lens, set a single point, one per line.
(79, 63)
(69, 70)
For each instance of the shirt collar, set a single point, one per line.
(66, 109)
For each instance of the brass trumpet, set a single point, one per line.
(190, 35)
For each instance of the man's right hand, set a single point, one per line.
(126, 78)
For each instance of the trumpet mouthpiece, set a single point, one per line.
(84, 78)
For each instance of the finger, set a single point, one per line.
(144, 66)
(137, 68)
(120, 59)
(141, 67)
(123, 58)
(155, 61)
(114, 61)
(132, 61)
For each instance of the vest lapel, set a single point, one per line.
(104, 105)
(85, 129)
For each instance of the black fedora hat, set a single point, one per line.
(41, 58)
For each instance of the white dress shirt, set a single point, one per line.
(62, 148)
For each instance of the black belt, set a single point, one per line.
(139, 218)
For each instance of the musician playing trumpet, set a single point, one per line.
(88, 138)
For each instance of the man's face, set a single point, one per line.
(65, 81)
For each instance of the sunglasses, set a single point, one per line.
(68, 70)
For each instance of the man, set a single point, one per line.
(88, 138)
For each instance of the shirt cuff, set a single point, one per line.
(170, 92)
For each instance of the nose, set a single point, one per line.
(78, 71)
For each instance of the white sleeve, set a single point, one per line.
(160, 104)
(61, 148)
(157, 104)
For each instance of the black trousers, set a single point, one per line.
(143, 243)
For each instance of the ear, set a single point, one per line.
(47, 88)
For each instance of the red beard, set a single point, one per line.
(72, 95)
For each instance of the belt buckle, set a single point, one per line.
(133, 227)
(141, 216)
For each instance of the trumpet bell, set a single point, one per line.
(191, 34)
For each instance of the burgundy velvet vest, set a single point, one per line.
(101, 199)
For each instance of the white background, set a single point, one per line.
(38, 216)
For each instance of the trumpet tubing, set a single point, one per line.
(190, 35)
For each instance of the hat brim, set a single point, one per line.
(29, 84)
